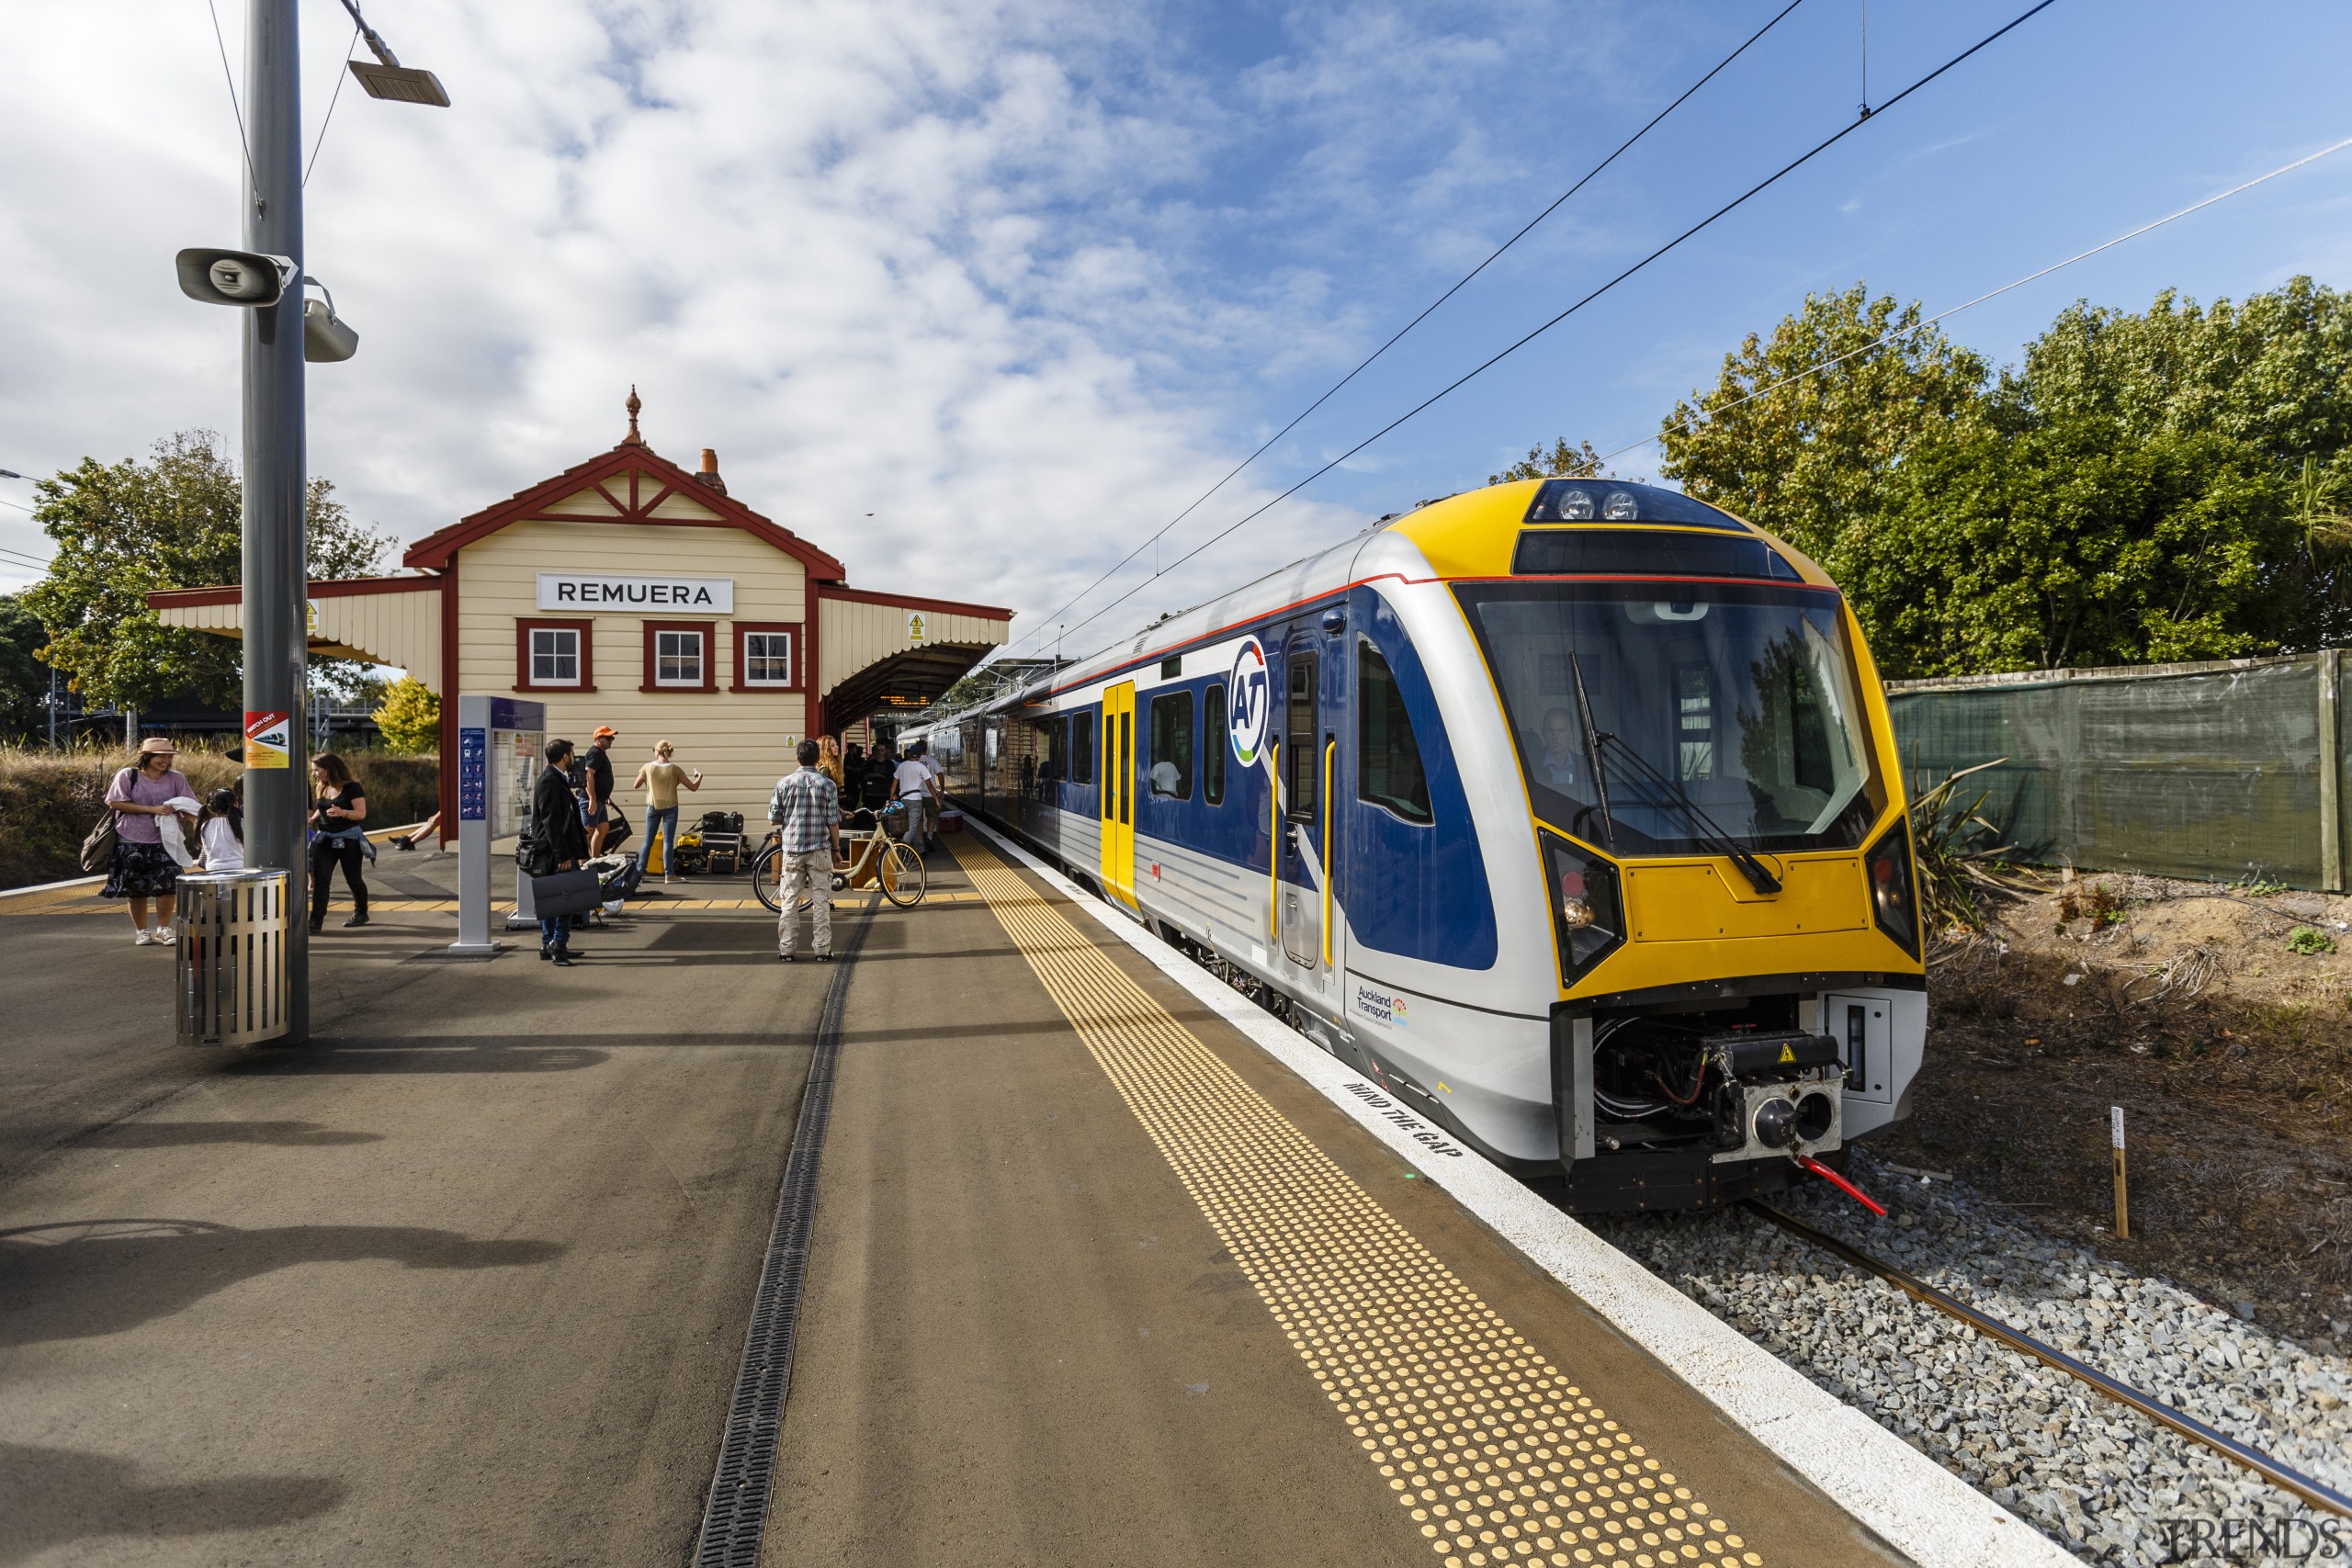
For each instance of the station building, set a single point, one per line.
(628, 591)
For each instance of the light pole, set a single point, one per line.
(265, 279)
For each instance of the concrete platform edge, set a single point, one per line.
(1913, 1504)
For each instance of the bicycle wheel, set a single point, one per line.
(902, 875)
(767, 871)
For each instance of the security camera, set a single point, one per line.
(250, 278)
(325, 336)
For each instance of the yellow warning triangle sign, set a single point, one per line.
(1788, 1053)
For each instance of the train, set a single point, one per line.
(1567, 811)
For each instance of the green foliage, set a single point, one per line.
(128, 530)
(410, 716)
(2310, 941)
(23, 681)
(1959, 852)
(2145, 488)
(1561, 462)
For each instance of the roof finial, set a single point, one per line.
(633, 438)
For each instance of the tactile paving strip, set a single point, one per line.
(1494, 1453)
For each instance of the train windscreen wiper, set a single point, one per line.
(1709, 832)
(1592, 754)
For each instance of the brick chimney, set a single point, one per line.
(709, 474)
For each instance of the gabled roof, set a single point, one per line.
(631, 483)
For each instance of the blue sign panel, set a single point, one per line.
(473, 775)
(512, 713)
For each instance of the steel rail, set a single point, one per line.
(2156, 1410)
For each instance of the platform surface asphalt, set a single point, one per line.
(1058, 1314)
(1095, 1279)
(464, 1283)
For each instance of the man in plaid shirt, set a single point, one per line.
(807, 807)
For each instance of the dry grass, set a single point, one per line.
(48, 805)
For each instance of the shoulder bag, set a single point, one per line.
(97, 850)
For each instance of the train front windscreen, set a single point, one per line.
(1724, 715)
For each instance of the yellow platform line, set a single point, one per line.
(1496, 1455)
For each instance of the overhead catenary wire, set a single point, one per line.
(1513, 347)
(1459, 284)
(1707, 413)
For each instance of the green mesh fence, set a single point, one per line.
(2205, 770)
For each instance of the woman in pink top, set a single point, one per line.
(141, 868)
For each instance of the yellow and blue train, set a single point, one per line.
(1567, 810)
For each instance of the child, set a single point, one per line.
(222, 827)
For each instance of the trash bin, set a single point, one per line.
(231, 957)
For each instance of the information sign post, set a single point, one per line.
(498, 741)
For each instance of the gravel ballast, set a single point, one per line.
(2110, 1484)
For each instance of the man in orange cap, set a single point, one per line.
(598, 767)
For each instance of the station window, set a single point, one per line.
(554, 656)
(1213, 740)
(1171, 746)
(763, 655)
(1082, 747)
(678, 657)
(1388, 760)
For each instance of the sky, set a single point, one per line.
(979, 295)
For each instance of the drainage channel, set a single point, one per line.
(736, 1516)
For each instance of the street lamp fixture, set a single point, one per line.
(390, 79)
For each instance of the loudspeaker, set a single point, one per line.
(249, 278)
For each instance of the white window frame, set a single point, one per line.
(752, 660)
(554, 654)
(701, 658)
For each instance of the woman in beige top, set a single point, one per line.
(661, 779)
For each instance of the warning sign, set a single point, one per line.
(269, 739)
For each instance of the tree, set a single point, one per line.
(410, 716)
(24, 683)
(1804, 433)
(128, 530)
(1561, 462)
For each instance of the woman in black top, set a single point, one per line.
(337, 837)
(558, 843)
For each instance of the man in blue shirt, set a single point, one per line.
(807, 808)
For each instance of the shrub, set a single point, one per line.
(410, 717)
(48, 805)
(2309, 940)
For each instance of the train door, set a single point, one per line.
(1118, 791)
(1307, 764)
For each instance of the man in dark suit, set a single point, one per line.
(558, 843)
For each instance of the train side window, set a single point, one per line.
(1081, 751)
(1171, 746)
(1302, 758)
(1388, 760)
(1212, 740)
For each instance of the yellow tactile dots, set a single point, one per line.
(1497, 1457)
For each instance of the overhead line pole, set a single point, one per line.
(276, 576)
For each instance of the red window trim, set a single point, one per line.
(523, 630)
(742, 662)
(709, 630)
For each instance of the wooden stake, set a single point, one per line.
(2123, 1200)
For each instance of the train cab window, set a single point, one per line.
(1213, 728)
(1388, 762)
(1081, 749)
(1694, 719)
(1302, 758)
(1171, 746)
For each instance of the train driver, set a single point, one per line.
(1556, 764)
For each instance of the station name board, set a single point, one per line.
(643, 595)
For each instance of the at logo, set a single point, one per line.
(1251, 696)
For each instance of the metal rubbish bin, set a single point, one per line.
(231, 957)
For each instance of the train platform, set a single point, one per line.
(1099, 1271)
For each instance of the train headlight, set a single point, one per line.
(1587, 915)
(1895, 898)
(1574, 506)
(1621, 507)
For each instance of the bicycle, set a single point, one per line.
(874, 857)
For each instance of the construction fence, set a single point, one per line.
(2225, 770)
